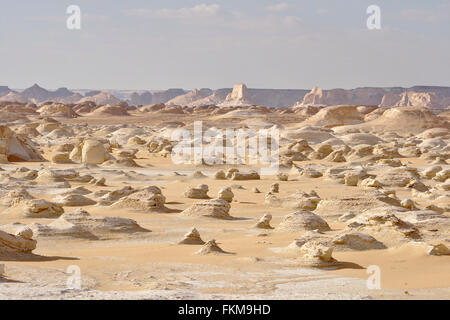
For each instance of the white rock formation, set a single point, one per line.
(238, 97)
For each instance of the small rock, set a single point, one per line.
(256, 190)
(438, 250)
(275, 188)
(226, 194)
(264, 222)
(211, 247)
(192, 237)
(220, 175)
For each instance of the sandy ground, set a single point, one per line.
(153, 266)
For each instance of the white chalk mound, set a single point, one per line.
(214, 208)
(301, 221)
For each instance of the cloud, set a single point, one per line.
(198, 11)
(220, 20)
(420, 15)
(49, 19)
(278, 7)
(292, 21)
(437, 14)
(94, 17)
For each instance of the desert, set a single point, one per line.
(90, 191)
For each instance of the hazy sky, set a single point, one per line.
(153, 44)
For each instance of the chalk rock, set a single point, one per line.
(25, 233)
(252, 175)
(214, 208)
(443, 175)
(192, 237)
(93, 152)
(198, 175)
(220, 175)
(443, 186)
(303, 220)
(211, 247)
(360, 202)
(238, 97)
(61, 157)
(430, 173)
(15, 147)
(80, 224)
(10, 245)
(347, 216)
(298, 200)
(147, 200)
(38, 208)
(384, 221)
(256, 190)
(322, 152)
(311, 173)
(121, 163)
(397, 177)
(408, 204)
(264, 222)
(275, 188)
(112, 196)
(226, 194)
(200, 192)
(14, 197)
(438, 250)
(417, 185)
(370, 183)
(357, 241)
(74, 200)
(315, 254)
(230, 172)
(351, 179)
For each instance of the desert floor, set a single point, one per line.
(153, 266)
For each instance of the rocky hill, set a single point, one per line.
(431, 97)
(419, 96)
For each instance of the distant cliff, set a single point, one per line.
(431, 97)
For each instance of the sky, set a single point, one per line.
(287, 44)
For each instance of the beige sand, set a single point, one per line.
(153, 265)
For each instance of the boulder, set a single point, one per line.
(74, 200)
(211, 247)
(149, 199)
(298, 200)
(200, 192)
(93, 152)
(14, 246)
(61, 157)
(220, 175)
(301, 221)
(358, 203)
(214, 208)
(397, 177)
(226, 194)
(275, 188)
(438, 250)
(80, 224)
(253, 175)
(357, 241)
(315, 254)
(14, 147)
(264, 222)
(37, 208)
